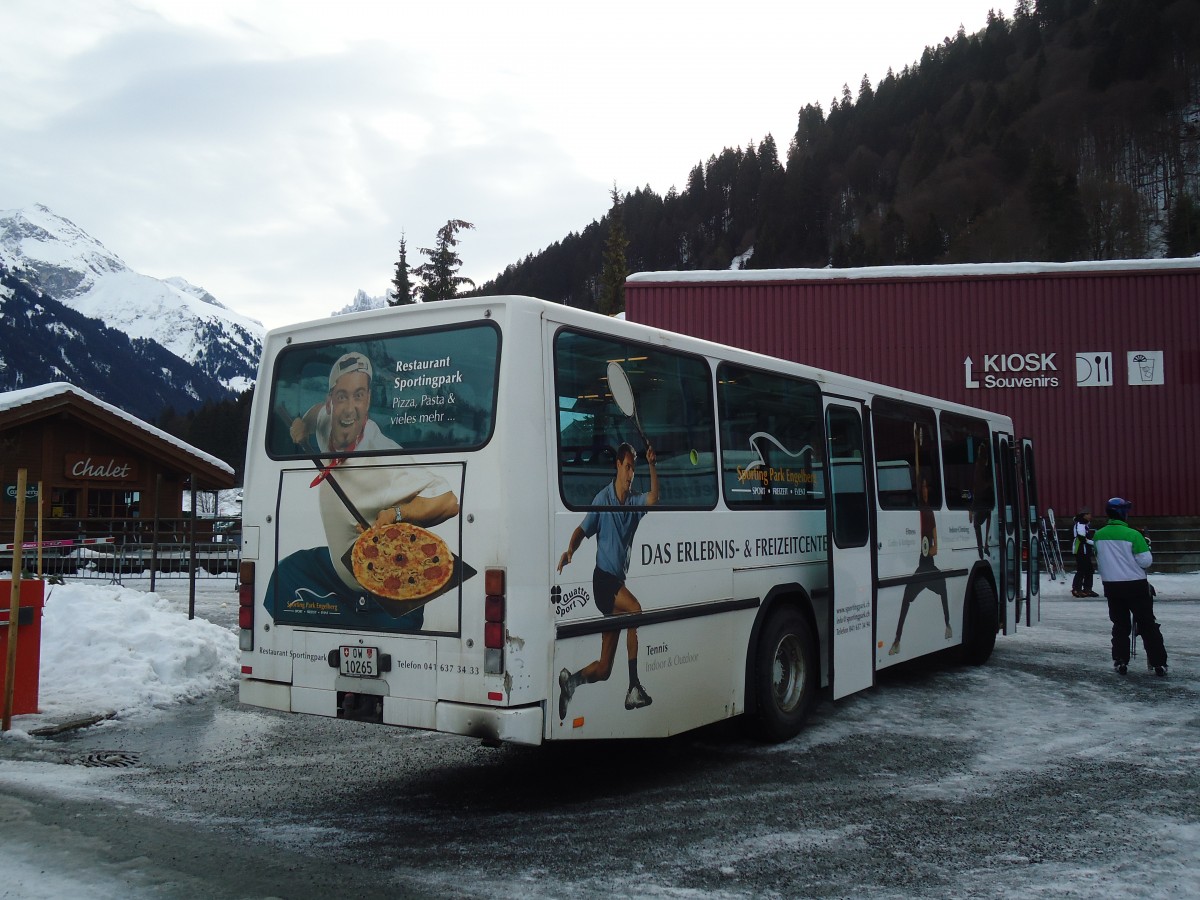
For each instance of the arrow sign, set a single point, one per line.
(967, 367)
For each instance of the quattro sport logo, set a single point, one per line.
(1012, 370)
(564, 603)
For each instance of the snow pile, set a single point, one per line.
(109, 648)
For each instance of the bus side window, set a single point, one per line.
(772, 439)
(669, 396)
(966, 462)
(847, 480)
(906, 455)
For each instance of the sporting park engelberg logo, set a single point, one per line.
(1012, 370)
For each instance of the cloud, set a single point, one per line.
(275, 152)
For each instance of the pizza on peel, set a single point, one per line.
(401, 561)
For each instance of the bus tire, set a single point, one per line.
(981, 615)
(785, 676)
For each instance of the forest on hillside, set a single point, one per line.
(1069, 130)
(219, 428)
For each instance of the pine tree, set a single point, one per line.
(616, 269)
(403, 290)
(1183, 227)
(1057, 211)
(925, 170)
(440, 272)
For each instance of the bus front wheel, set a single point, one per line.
(785, 676)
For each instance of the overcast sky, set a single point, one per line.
(274, 152)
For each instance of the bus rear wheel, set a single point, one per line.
(785, 676)
(982, 621)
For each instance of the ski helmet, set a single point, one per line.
(1116, 508)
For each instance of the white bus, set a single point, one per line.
(513, 520)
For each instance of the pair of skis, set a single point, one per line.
(1051, 550)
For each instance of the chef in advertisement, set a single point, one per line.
(353, 492)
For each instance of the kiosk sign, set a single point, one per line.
(1012, 370)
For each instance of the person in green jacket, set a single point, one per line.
(1123, 556)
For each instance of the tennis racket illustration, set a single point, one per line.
(622, 391)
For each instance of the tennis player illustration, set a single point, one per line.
(927, 576)
(613, 526)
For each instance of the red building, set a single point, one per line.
(1097, 362)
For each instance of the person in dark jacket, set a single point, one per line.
(1084, 549)
(1123, 556)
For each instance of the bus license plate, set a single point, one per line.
(361, 662)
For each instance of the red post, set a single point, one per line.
(26, 670)
(10, 654)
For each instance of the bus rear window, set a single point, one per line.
(419, 391)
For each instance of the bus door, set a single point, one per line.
(1009, 528)
(851, 560)
(1033, 606)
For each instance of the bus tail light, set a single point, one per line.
(494, 609)
(246, 605)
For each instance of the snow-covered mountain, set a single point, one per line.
(362, 301)
(55, 256)
(43, 341)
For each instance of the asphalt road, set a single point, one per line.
(1039, 773)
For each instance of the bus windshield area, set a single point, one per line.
(417, 391)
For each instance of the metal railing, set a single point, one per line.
(109, 550)
(1176, 547)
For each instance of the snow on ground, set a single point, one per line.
(121, 648)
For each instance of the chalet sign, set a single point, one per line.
(100, 468)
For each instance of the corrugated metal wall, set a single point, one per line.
(916, 333)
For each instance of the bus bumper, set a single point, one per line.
(522, 725)
(267, 694)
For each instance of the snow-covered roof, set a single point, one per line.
(25, 396)
(943, 271)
